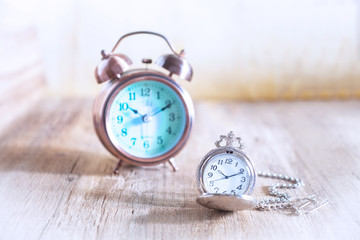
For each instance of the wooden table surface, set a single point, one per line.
(56, 178)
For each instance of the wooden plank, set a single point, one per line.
(56, 179)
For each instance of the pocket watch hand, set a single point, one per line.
(225, 177)
(219, 179)
(235, 174)
(222, 173)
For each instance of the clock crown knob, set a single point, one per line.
(146, 61)
(111, 65)
(230, 141)
(176, 64)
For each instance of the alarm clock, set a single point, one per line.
(143, 116)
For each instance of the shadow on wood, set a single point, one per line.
(57, 161)
(181, 216)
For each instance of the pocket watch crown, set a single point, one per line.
(230, 141)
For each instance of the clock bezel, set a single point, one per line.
(107, 96)
(226, 150)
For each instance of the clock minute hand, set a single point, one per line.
(162, 109)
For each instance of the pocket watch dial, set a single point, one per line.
(226, 174)
(146, 119)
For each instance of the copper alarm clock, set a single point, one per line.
(143, 116)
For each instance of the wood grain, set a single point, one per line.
(56, 179)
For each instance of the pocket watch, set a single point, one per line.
(143, 116)
(226, 177)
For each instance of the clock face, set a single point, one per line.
(226, 173)
(146, 119)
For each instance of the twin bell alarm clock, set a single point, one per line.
(143, 116)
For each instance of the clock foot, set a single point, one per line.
(118, 165)
(173, 164)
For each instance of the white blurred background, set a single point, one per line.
(239, 49)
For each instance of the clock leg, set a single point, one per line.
(118, 165)
(173, 164)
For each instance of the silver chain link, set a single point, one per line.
(281, 199)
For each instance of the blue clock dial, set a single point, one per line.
(146, 119)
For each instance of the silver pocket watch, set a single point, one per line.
(226, 178)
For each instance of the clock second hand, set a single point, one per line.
(145, 118)
(225, 177)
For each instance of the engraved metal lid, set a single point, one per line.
(226, 202)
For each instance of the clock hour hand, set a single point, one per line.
(222, 173)
(135, 111)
